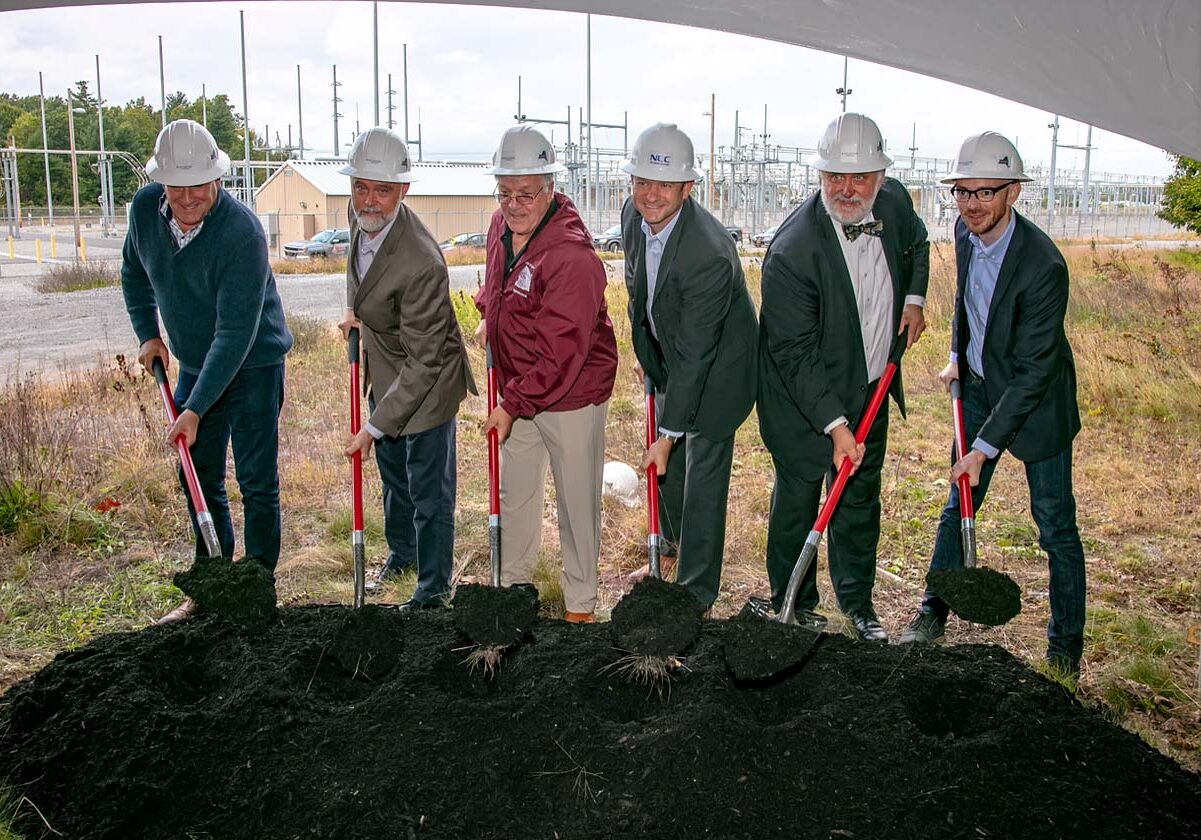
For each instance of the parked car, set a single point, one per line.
(465, 240)
(735, 232)
(329, 243)
(610, 240)
(762, 240)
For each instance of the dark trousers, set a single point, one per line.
(692, 508)
(1053, 507)
(852, 536)
(418, 474)
(246, 416)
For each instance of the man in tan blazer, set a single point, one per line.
(417, 373)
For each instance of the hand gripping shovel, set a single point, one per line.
(983, 596)
(204, 519)
(809, 552)
(654, 541)
(493, 477)
(356, 481)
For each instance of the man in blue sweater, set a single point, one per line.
(198, 257)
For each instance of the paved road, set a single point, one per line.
(42, 333)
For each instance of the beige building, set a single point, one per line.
(304, 197)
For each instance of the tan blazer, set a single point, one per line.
(415, 362)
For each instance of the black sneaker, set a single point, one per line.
(924, 628)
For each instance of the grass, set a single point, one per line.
(91, 441)
(78, 276)
(313, 265)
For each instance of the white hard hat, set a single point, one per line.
(186, 155)
(523, 150)
(851, 144)
(379, 155)
(987, 155)
(662, 153)
(619, 481)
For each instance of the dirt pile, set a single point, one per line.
(241, 592)
(205, 729)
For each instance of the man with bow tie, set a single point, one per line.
(844, 286)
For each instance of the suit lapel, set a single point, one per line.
(1008, 270)
(892, 255)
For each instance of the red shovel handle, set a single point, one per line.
(652, 472)
(493, 441)
(356, 486)
(965, 483)
(865, 426)
(181, 446)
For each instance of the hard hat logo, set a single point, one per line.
(671, 161)
(542, 155)
(379, 154)
(1003, 161)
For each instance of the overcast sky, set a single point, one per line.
(463, 67)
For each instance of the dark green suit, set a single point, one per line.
(811, 371)
(703, 365)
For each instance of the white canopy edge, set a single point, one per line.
(1132, 67)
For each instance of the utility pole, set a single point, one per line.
(74, 169)
(299, 113)
(844, 91)
(337, 99)
(712, 128)
(391, 107)
(1054, 126)
(588, 100)
(405, 58)
(46, 152)
(204, 106)
(913, 151)
(162, 82)
(375, 56)
(1085, 200)
(246, 116)
(103, 166)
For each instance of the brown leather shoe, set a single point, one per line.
(579, 617)
(184, 611)
(666, 564)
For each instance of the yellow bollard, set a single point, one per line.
(37, 244)
(11, 252)
(53, 247)
(83, 249)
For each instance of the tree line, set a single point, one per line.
(131, 127)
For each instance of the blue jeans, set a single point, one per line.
(418, 474)
(246, 416)
(1053, 508)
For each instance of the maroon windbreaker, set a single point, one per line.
(548, 324)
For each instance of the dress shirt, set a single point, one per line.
(872, 283)
(983, 270)
(655, 243)
(182, 237)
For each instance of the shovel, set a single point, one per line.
(983, 596)
(204, 519)
(356, 481)
(653, 538)
(809, 552)
(493, 477)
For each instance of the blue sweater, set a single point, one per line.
(217, 295)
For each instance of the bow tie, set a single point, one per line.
(875, 228)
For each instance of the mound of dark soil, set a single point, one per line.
(657, 618)
(242, 592)
(202, 729)
(758, 649)
(978, 594)
(495, 616)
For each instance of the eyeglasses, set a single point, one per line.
(520, 199)
(985, 194)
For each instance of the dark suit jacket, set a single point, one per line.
(704, 359)
(416, 364)
(1029, 374)
(811, 364)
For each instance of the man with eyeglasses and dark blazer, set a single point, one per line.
(1011, 355)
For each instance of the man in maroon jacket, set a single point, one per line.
(547, 323)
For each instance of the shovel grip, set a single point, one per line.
(965, 483)
(652, 479)
(204, 520)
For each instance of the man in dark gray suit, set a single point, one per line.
(694, 333)
(844, 286)
(417, 373)
(1011, 354)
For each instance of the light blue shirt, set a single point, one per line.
(983, 270)
(655, 243)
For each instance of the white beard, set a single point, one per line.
(372, 222)
(862, 206)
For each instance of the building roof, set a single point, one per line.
(432, 178)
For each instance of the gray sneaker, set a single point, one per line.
(926, 627)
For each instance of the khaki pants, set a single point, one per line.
(573, 444)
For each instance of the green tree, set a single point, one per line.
(1182, 195)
